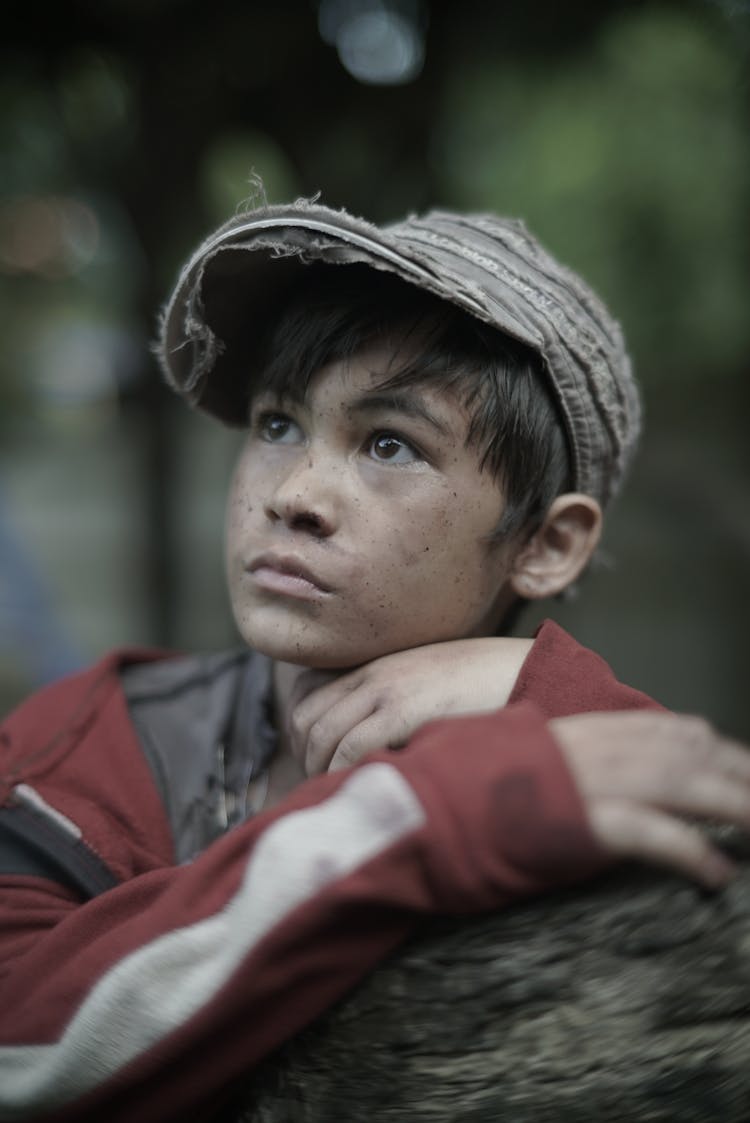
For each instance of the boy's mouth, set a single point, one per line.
(285, 574)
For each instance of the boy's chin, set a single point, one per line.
(329, 657)
(325, 652)
(316, 661)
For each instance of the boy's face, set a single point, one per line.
(358, 522)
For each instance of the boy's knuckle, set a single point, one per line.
(378, 702)
(348, 751)
(389, 697)
(317, 737)
(699, 733)
(297, 723)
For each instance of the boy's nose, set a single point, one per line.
(307, 498)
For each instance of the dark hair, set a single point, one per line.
(515, 423)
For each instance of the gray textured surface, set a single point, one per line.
(628, 999)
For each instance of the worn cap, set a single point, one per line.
(235, 283)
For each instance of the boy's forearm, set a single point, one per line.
(383, 703)
(214, 964)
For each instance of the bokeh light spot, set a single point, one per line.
(49, 235)
(378, 43)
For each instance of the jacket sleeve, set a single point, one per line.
(562, 677)
(148, 1001)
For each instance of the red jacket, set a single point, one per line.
(151, 998)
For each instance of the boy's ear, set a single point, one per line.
(561, 548)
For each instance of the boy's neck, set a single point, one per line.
(284, 678)
(290, 685)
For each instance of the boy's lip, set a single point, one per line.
(271, 569)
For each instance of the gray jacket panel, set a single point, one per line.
(205, 726)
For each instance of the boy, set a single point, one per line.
(436, 415)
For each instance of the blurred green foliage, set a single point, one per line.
(228, 166)
(631, 160)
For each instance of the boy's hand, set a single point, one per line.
(642, 774)
(381, 704)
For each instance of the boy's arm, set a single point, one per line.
(336, 719)
(641, 772)
(149, 1000)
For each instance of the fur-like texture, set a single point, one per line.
(624, 1001)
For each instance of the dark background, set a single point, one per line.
(618, 131)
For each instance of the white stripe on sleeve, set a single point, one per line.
(160, 986)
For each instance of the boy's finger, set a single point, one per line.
(324, 736)
(630, 830)
(313, 683)
(311, 699)
(709, 793)
(653, 757)
(707, 746)
(381, 729)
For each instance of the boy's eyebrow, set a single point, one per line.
(403, 401)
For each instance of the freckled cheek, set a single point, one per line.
(433, 539)
(240, 517)
(451, 557)
(247, 491)
(419, 548)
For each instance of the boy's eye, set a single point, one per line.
(278, 428)
(391, 447)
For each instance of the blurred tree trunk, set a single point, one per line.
(628, 999)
